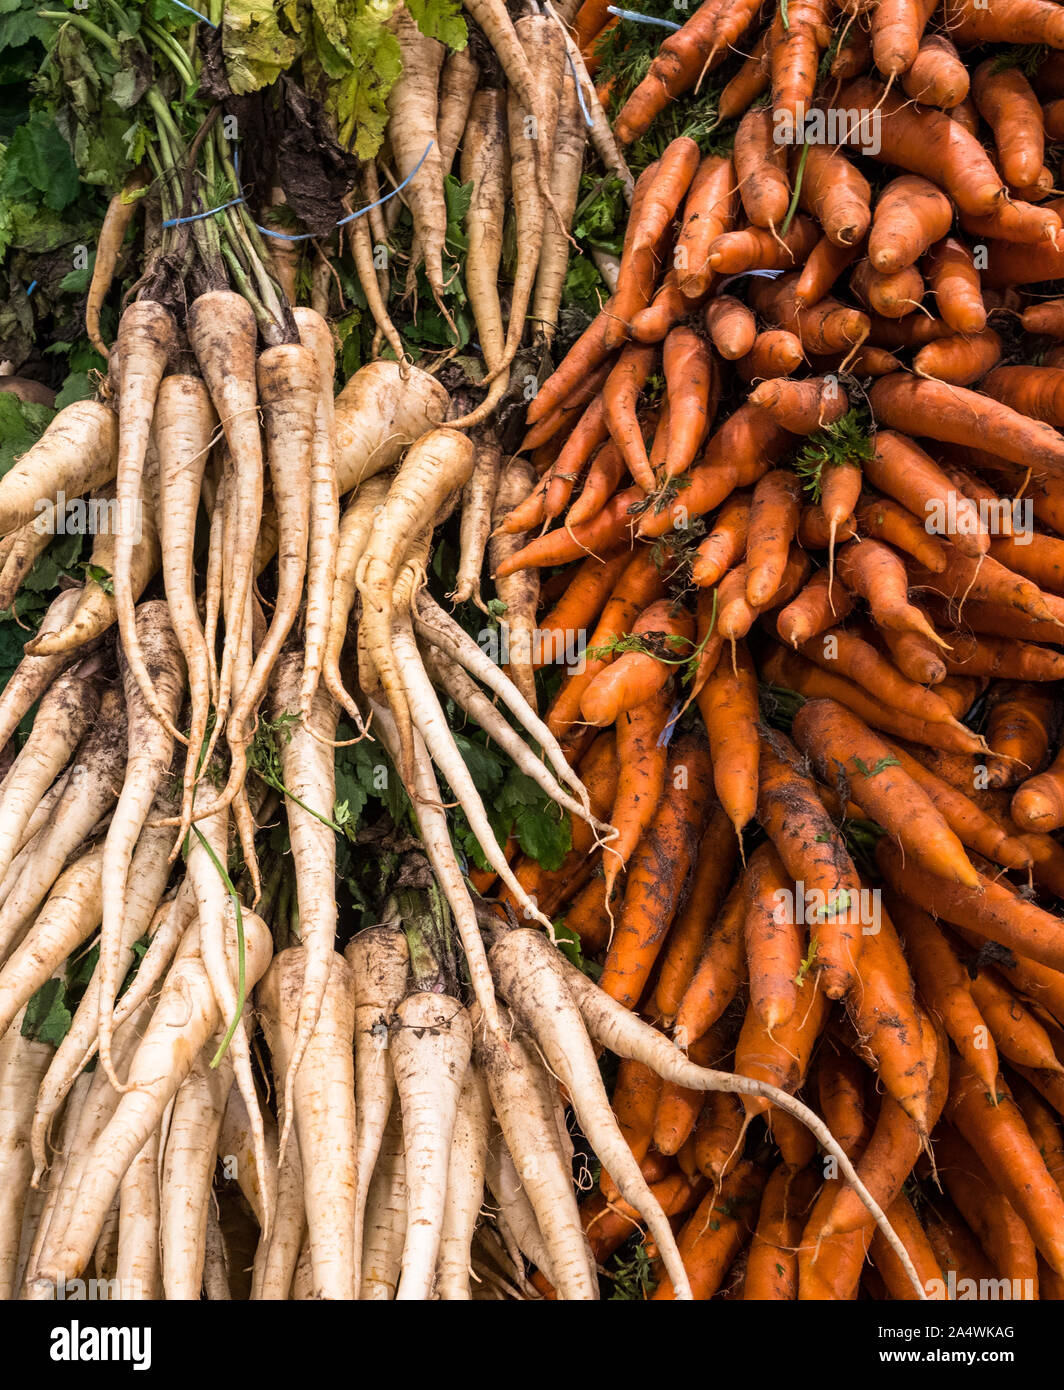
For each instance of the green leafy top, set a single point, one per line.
(848, 440)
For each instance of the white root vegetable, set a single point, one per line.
(465, 1188)
(356, 524)
(236, 1152)
(442, 631)
(437, 465)
(569, 141)
(431, 1046)
(137, 1267)
(324, 508)
(34, 674)
(379, 960)
(526, 1118)
(76, 453)
(385, 1225)
(309, 774)
(436, 837)
(149, 753)
(188, 1171)
(515, 1218)
(379, 414)
(70, 915)
(66, 710)
(278, 1252)
(90, 793)
(478, 500)
(22, 1064)
(545, 1006)
(185, 1017)
(323, 1098)
(519, 591)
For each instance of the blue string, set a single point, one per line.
(199, 216)
(32, 287)
(641, 18)
(758, 274)
(579, 91)
(182, 6)
(311, 236)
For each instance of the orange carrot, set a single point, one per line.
(642, 762)
(719, 974)
(774, 940)
(731, 326)
(911, 215)
(690, 381)
(708, 212)
(729, 705)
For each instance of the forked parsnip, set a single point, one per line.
(465, 1188)
(435, 835)
(66, 710)
(431, 1045)
(184, 1018)
(187, 1172)
(385, 1226)
(22, 1064)
(439, 628)
(147, 338)
(76, 453)
(150, 749)
(314, 334)
(527, 1123)
(34, 674)
(46, 1194)
(439, 463)
(183, 429)
(356, 524)
(323, 1099)
(27, 544)
(309, 775)
(515, 1217)
(478, 501)
(236, 1153)
(223, 335)
(380, 961)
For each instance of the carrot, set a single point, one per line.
(1000, 657)
(960, 360)
(663, 636)
(802, 407)
(729, 707)
(1026, 21)
(713, 866)
(718, 1136)
(849, 653)
(774, 353)
(689, 380)
(603, 477)
(883, 519)
(840, 745)
(873, 571)
(665, 310)
(836, 194)
(619, 397)
(937, 76)
(681, 61)
(739, 452)
(999, 1136)
(906, 1223)
(718, 975)
(1006, 101)
(603, 532)
(972, 825)
(120, 212)
(636, 1093)
(815, 857)
(1020, 1037)
(990, 910)
(715, 1233)
(896, 32)
(751, 81)
(708, 212)
(761, 169)
(642, 764)
(587, 353)
(580, 605)
(954, 1244)
(819, 605)
(725, 544)
(781, 1058)
(986, 578)
(1019, 726)
(823, 267)
(772, 523)
(826, 327)
(927, 142)
(736, 615)
(893, 295)
(657, 872)
(774, 944)
(1047, 318)
(772, 1264)
(911, 215)
(757, 248)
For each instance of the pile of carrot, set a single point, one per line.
(796, 493)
